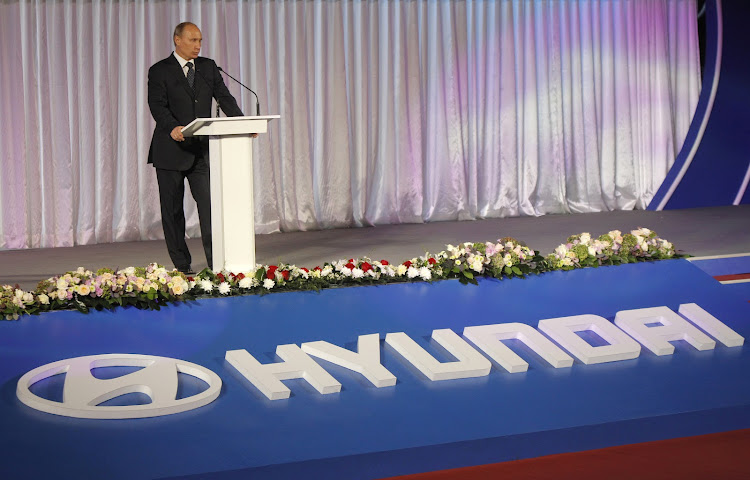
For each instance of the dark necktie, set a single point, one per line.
(191, 76)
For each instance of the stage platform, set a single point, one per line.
(695, 231)
(363, 432)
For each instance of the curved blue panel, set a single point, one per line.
(711, 167)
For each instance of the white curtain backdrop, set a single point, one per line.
(392, 111)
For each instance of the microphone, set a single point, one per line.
(257, 102)
(209, 86)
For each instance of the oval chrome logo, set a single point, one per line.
(83, 393)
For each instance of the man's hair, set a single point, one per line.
(179, 28)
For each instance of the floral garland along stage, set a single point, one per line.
(154, 286)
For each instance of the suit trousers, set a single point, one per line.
(171, 197)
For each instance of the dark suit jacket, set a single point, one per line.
(173, 103)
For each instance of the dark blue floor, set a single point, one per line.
(364, 432)
(723, 266)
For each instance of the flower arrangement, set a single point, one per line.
(149, 287)
(612, 248)
(154, 286)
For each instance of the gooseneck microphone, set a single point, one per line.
(209, 86)
(257, 102)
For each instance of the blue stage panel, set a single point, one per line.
(724, 266)
(365, 432)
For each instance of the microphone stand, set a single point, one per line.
(257, 102)
(218, 113)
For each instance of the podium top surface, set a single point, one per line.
(227, 125)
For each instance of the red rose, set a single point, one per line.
(431, 261)
(366, 266)
(407, 264)
(221, 277)
(350, 265)
(240, 276)
(271, 273)
(285, 274)
(384, 262)
(318, 269)
(305, 270)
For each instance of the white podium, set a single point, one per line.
(232, 206)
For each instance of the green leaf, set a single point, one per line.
(80, 306)
(468, 274)
(517, 270)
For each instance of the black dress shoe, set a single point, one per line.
(187, 270)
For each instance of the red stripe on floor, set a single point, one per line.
(739, 276)
(715, 456)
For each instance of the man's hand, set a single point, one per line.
(177, 134)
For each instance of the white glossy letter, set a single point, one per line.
(297, 364)
(562, 330)
(366, 361)
(470, 362)
(712, 325)
(488, 338)
(656, 338)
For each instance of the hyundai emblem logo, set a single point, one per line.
(83, 393)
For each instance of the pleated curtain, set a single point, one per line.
(392, 111)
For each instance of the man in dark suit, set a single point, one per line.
(180, 89)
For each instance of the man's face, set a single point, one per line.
(188, 45)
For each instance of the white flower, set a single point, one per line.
(508, 260)
(425, 273)
(477, 266)
(346, 272)
(28, 297)
(592, 251)
(561, 251)
(18, 293)
(43, 299)
(401, 270)
(178, 288)
(246, 283)
(268, 284)
(83, 289)
(224, 288)
(358, 273)
(326, 271)
(412, 272)
(61, 284)
(585, 238)
(206, 285)
(315, 273)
